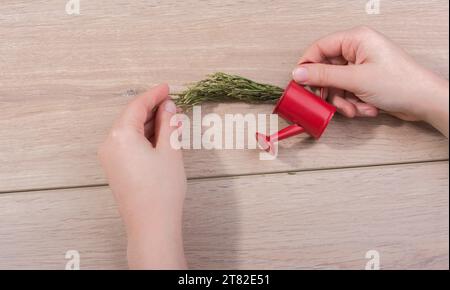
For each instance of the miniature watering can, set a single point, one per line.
(308, 113)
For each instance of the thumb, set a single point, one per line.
(163, 129)
(343, 77)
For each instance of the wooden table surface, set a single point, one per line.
(369, 184)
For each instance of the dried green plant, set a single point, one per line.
(222, 87)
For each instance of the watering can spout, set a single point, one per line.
(288, 132)
(267, 143)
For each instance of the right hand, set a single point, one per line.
(364, 72)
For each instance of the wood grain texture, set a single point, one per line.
(61, 151)
(324, 219)
(64, 78)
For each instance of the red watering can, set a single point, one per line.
(308, 113)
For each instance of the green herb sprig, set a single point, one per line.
(222, 87)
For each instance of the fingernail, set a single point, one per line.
(300, 74)
(170, 107)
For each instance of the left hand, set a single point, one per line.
(148, 180)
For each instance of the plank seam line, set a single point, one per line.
(238, 175)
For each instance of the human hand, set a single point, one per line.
(364, 72)
(148, 180)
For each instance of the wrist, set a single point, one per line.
(153, 219)
(156, 243)
(156, 251)
(145, 209)
(436, 106)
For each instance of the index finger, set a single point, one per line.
(141, 109)
(339, 44)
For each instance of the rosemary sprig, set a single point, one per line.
(222, 87)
